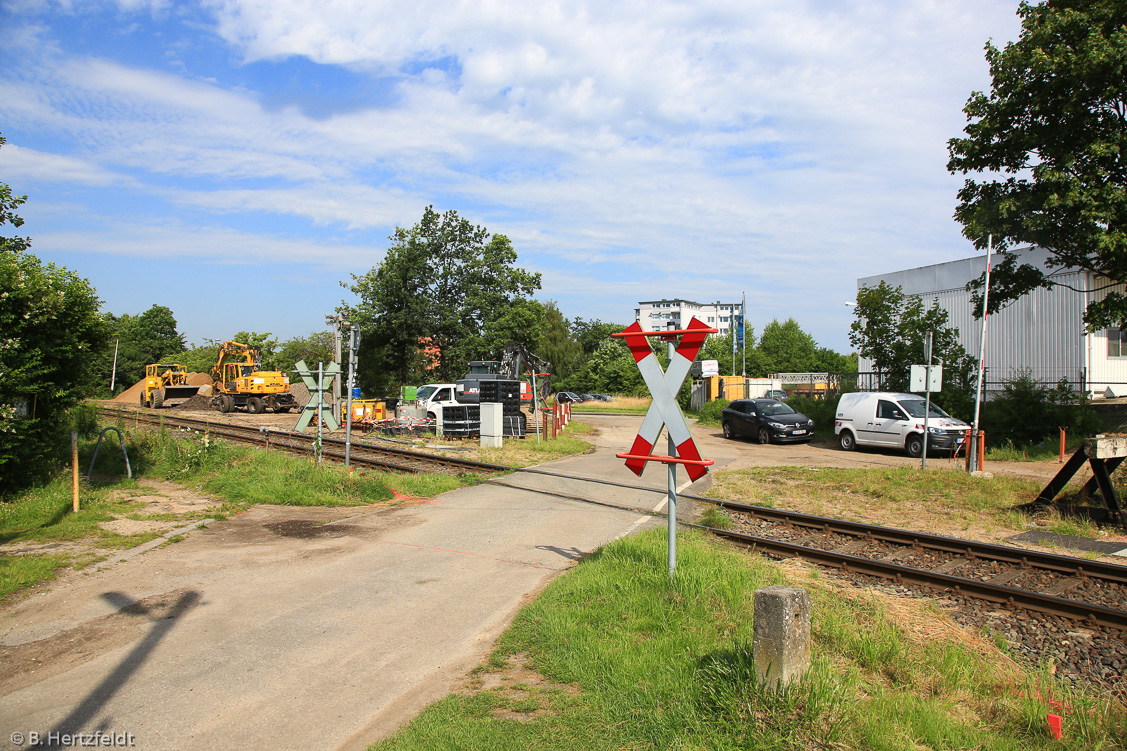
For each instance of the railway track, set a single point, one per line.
(361, 455)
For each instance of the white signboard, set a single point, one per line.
(709, 368)
(918, 381)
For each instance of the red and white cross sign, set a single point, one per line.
(663, 387)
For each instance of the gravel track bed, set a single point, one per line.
(1096, 658)
(1083, 589)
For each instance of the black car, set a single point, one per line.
(766, 420)
(565, 397)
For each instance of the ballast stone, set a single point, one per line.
(781, 639)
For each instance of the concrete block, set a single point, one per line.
(781, 639)
(492, 425)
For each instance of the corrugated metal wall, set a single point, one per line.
(1042, 333)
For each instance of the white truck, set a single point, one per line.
(894, 420)
(430, 399)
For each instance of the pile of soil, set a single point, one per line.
(133, 393)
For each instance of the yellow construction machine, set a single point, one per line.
(240, 383)
(165, 382)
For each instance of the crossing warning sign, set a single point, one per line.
(664, 386)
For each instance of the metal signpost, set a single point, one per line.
(664, 411)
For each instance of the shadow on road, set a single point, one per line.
(163, 621)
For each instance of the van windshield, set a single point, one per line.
(915, 408)
(424, 392)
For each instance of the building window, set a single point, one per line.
(1116, 343)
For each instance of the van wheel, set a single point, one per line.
(915, 445)
(764, 435)
(846, 441)
(728, 431)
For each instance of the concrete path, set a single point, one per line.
(277, 630)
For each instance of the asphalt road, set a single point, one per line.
(275, 630)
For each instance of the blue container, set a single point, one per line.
(356, 393)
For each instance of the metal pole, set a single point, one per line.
(743, 338)
(927, 399)
(671, 489)
(972, 454)
(351, 377)
(113, 368)
(336, 358)
(320, 403)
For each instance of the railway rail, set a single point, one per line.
(362, 454)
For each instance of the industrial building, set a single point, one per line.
(1041, 333)
(657, 314)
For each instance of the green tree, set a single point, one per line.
(890, 330)
(140, 340)
(50, 329)
(787, 348)
(426, 308)
(590, 334)
(1051, 138)
(557, 345)
(313, 348)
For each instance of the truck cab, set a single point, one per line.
(433, 397)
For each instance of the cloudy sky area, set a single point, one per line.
(236, 159)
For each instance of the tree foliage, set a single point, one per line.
(1051, 138)
(557, 345)
(890, 330)
(787, 348)
(50, 329)
(427, 309)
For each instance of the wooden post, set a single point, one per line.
(1062, 434)
(74, 467)
(981, 450)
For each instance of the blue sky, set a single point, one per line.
(236, 160)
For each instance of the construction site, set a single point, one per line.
(513, 392)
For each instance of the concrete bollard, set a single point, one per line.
(492, 425)
(781, 641)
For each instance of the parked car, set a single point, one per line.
(776, 394)
(590, 397)
(880, 418)
(568, 397)
(766, 420)
(604, 397)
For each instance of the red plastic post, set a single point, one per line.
(1055, 725)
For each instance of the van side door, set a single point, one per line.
(888, 425)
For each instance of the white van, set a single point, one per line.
(883, 418)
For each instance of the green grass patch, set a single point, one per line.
(19, 571)
(633, 661)
(941, 500)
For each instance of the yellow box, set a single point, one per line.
(364, 409)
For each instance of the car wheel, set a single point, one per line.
(846, 441)
(728, 431)
(915, 445)
(764, 435)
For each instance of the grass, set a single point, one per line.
(628, 404)
(937, 500)
(628, 660)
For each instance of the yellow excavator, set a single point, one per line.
(238, 382)
(165, 382)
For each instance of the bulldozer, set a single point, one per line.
(240, 383)
(165, 383)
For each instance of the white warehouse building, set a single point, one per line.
(657, 314)
(1041, 333)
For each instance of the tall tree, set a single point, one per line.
(787, 348)
(442, 284)
(50, 328)
(557, 345)
(1051, 138)
(890, 330)
(141, 340)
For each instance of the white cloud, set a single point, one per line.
(21, 164)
